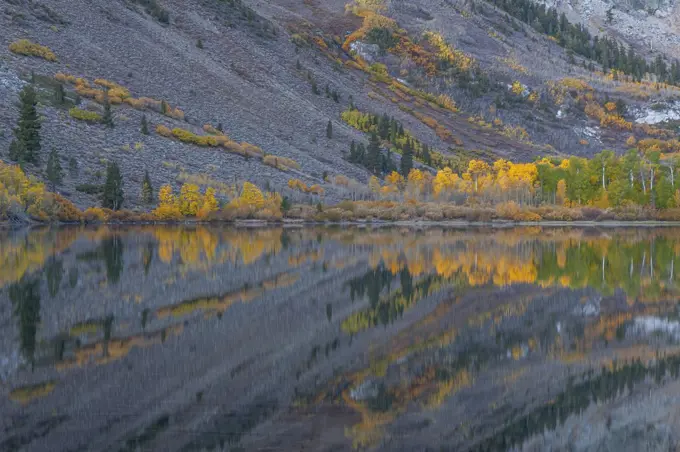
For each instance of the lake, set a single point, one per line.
(279, 339)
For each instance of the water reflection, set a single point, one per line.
(394, 339)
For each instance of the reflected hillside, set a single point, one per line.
(394, 338)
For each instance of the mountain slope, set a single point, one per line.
(252, 67)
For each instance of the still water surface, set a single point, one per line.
(216, 338)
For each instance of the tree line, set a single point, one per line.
(608, 52)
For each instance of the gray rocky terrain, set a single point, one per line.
(242, 65)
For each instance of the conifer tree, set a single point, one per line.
(26, 145)
(59, 94)
(107, 118)
(145, 125)
(373, 162)
(113, 195)
(427, 157)
(54, 170)
(353, 154)
(147, 189)
(406, 161)
(329, 130)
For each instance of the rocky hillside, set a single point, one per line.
(464, 78)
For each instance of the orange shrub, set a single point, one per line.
(28, 48)
(281, 163)
(511, 211)
(65, 78)
(208, 128)
(252, 150)
(163, 131)
(94, 215)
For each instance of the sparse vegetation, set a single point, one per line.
(85, 115)
(28, 48)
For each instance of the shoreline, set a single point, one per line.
(496, 224)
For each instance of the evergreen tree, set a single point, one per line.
(285, 205)
(406, 161)
(427, 157)
(164, 107)
(54, 170)
(26, 146)
(219, 127)
(199, 43)
(73, 167)
(329, 130)
(59, 94)
(112, 196)
(145, 125)
(384, 126)
(315, 88)
(361, 153)
(147, 189)
(353, 153)
(16, 152)
(610, 15)
(107, 118)
(372, 159)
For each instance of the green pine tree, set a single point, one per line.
(59, 94)
(26, 147)
(285, 205)
(427, 157)
(372, 159)
(107, 118)
(113, 195)
(354, 153)
(147, 189)
(145, 125)
(54, 170)
(329, 130)
(406, 162)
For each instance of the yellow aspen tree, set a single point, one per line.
(168, 208)
(251, 196)
(395, 180)
(477, 168)
(210, 203)
(165, 196)
(190, 200)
